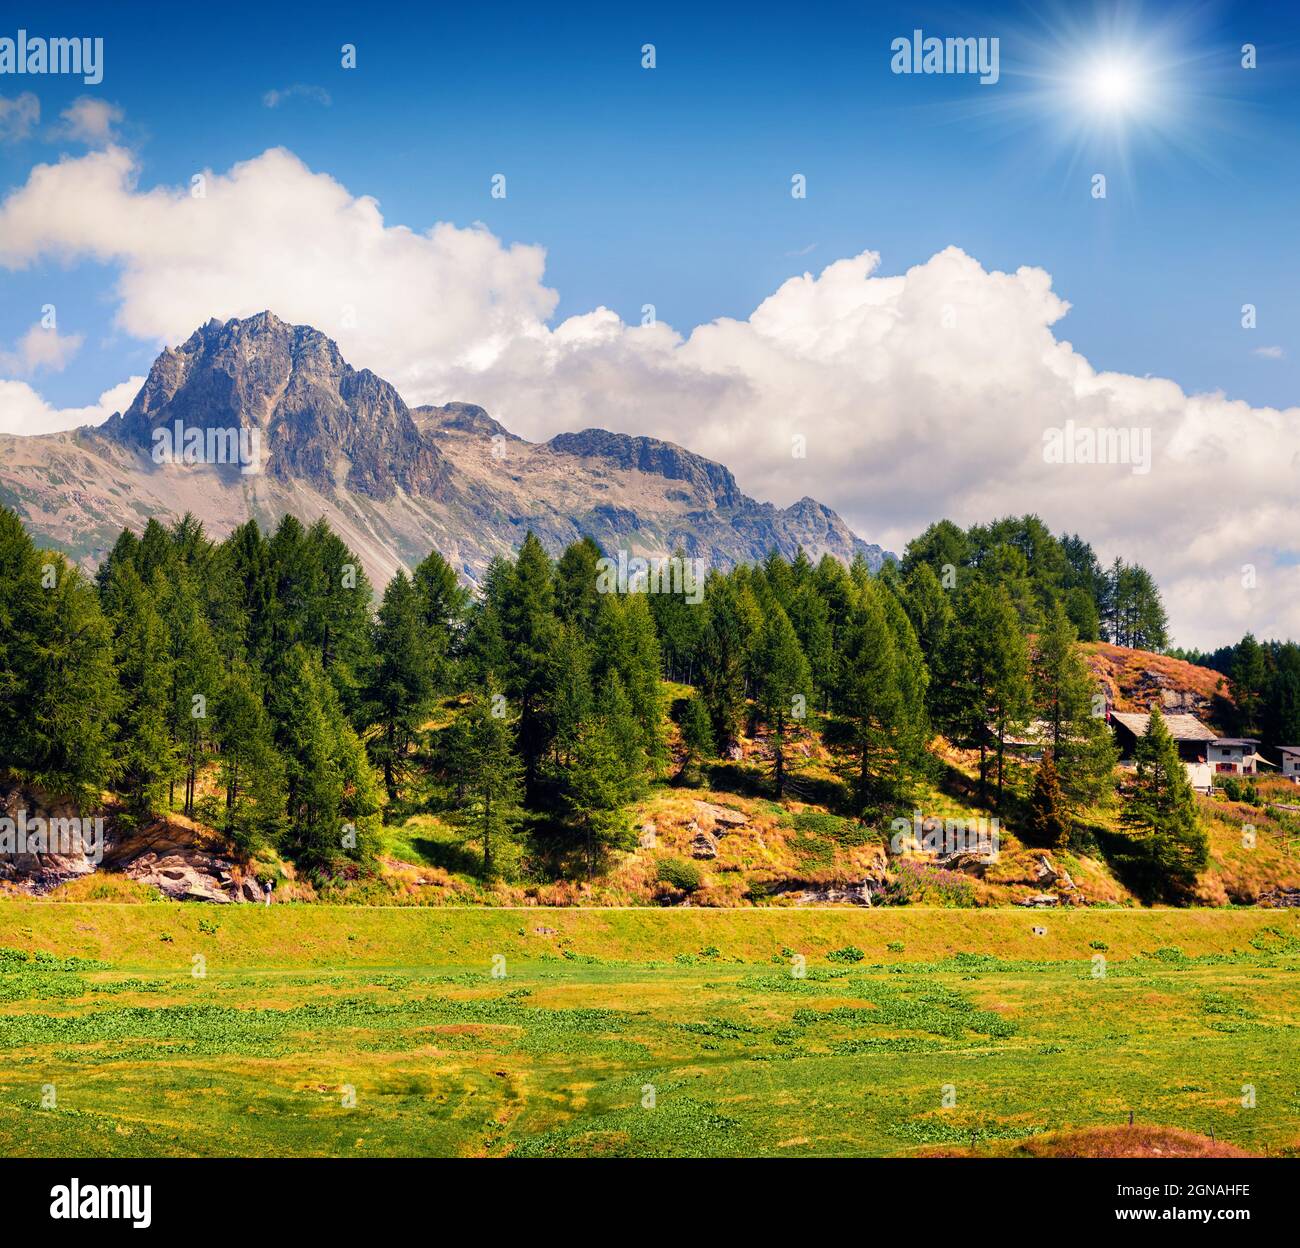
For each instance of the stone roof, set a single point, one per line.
(1181, 727)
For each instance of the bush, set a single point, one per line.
(680, 873)
(850, 953)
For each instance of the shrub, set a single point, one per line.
(850, 953)
(679, 873)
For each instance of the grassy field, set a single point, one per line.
(319, 1030)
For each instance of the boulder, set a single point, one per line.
(45, 847)
(182, 874)
(848, 894)
(649, 836)
(704, 845)
(1040, 900)
(722, 818)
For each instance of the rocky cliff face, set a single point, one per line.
(316, 418)
(394, 482)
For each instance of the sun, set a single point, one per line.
(1112, 86)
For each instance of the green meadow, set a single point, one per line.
(161, 1029)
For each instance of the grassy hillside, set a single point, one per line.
(366, 1032)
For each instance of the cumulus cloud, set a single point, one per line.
(270, 233)
(90, 121)
(915, 395)
(19, 117)
(23, 411)
(40, 350)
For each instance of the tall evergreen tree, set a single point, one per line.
(528, 624)
(58, 692)
(1169, 845)
(402, 691)
(1065, 694)
(145, 750)
(723, 651)
(990, 669)
(251, 772)
(785, 685)
(1047, 815)
(196, 677)
(490, 810)
(697, 739)
(332, 795)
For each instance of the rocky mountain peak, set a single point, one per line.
(711, 481)
(314, 416)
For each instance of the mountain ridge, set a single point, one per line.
(395, 481)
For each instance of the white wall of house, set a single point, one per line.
(1201, 776)
(1291, 767)
(1240, 759)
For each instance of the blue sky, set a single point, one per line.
(672, 186)
(924, 363)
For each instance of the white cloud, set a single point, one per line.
(1269, 353)
(299, 90)
(40, 350)
(920, 395)
(90, 121)
(22, 410)
(270, 233)
(19, 117)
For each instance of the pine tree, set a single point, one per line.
(697, 739)
(1065, 699)
(990, 670)
(1249, 681)
(402, 688)
(1169, 845)
(490, 810)
(600, 784)
(338, 617)
(528, 624)
(869, 697)
(196, 677)
(811, 617)
(572, 695)
(332, 795)
(912, 677)
(58, 692)
(576, 596)
(444, 608)
(1047, 815)
(723, 649)
(626, 645)
(785, 685)
(145, 750)
(252, 773)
